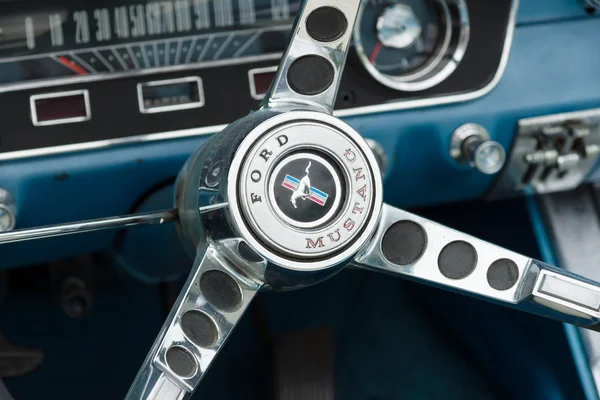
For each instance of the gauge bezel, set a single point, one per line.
(452, 49)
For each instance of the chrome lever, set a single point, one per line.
(74, 228)
(100, 224)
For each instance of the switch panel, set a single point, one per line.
(551, 154)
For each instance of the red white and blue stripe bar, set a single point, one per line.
(315, 194)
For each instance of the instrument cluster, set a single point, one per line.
(412, 45)
(77, 75)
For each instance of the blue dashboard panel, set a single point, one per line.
(595, 174)
(552, 68)
(535, 11)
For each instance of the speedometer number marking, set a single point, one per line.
(92, 39)
(102, 24)
(82, 27)
(280, 9)
(56, 30)
(223, 13)
(30, 33)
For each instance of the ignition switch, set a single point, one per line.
(471, 145)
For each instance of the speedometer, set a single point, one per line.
(412, 45)
(61, 41)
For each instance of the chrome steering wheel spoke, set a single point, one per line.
(311, 68)
(416, 248)
(212, 301)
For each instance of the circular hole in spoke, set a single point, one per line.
(457, 260)
(221, 290)
(199, 328)
(404, 242)
(326, 24)
(310, 75)
(181, 362)
(503, 274)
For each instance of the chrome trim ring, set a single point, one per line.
(440, 66)
(340, 235)
(320, 237)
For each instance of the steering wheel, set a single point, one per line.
(288, 196)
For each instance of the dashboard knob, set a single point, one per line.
(471, 145)
(8, 211)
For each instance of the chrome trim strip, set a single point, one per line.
(254, 71)
(192, 104)
(108, 143)
(86, 102)
(152, 137)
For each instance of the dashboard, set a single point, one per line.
(81, 141)
(103, 101)
(75, 75)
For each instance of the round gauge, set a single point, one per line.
(411, 45)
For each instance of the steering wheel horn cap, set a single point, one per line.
(304, 190)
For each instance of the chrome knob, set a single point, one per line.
(8, 211)
(398, 27)
(471, 145)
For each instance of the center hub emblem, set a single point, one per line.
(305, 189)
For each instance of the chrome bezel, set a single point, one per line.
(434, 71)
(287, 258)
(252, 73)
(59, 121)
(175, 107)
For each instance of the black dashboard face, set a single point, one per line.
(69, 41)
(76, 75)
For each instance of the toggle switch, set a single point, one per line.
(471, 145)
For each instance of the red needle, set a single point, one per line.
(72, 66)
(375, 52)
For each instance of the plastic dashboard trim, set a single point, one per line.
(351, 112)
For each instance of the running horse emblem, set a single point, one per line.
(302, 189)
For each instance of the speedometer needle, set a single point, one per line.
(375, 52)
(72, 66)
